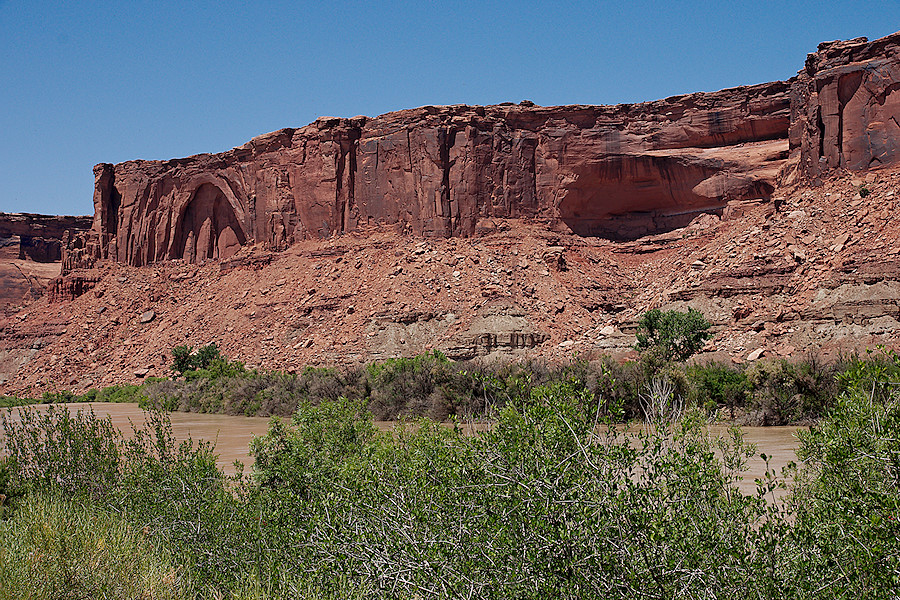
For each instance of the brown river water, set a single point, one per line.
(232, 436)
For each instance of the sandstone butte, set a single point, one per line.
(511, 228)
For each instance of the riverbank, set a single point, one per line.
(768, 392)
(552, 501)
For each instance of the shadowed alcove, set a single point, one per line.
(208, 227)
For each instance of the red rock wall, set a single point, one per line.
(435, 171)
(845, 106)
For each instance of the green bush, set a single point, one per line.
(428, 384)
(52, 448)
(672, 335)
(847, 501)
(789, 392)
(206, 362)
(551, 500)
(12, 401)
(716, 385)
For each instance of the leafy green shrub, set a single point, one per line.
(672, 335)
(551, 500)
(12, 401)
(717, 385)
(427, 384)
(54, 449)
(540, 505)
(114, 394)
(206, 362)
(9, 491)
(848, 500)
(789, 392)
(60, 397)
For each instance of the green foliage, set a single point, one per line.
(539, 505)
(672, 335)
(60, 397)
(718, 385)
(55, 449)
(864, 191)
(552, 499)
(206, 362)
(848, 497)
(13, 401)
(182, 360)
(114, 394)
(427, 384)
(785, 392)
(9, 491)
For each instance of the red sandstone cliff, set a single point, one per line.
(30, 251)
(776, 278)
(845, 106)
(436, 171)
(617, 171)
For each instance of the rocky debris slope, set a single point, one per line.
(821, 273)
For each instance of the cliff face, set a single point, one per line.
(40, 236)
(437, 171)
(619, 172)
(845, 106)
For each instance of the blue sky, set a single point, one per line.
(89, 82)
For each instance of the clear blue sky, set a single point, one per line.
(89, 82)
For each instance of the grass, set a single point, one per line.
(56, 548)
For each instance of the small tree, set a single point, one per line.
(672, 335)
(185, 359)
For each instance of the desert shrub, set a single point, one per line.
(114, 393)
(540, 505)
(672, 335)
(13, 401)
(54, 449)
(59, 397)
(204, 362)
(10, 492)
(847, 502)
(717, 385)
(171, 488)
(428, 384)
(790, 392)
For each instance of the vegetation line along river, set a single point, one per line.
(232, 435)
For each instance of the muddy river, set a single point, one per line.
(232, 436)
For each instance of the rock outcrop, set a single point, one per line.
(615, 171)
(40, 237)
(31, 248)
(618, 171)
(845, 106)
